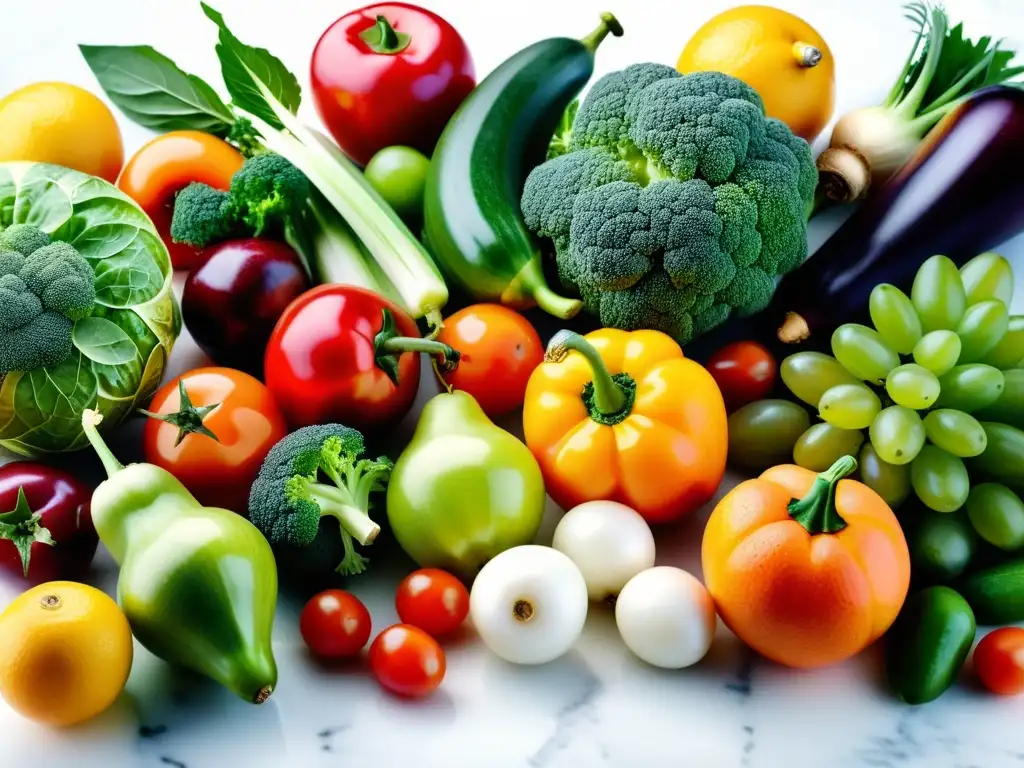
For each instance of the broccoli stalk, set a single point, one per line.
(313, 474)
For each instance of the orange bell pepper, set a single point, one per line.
(806, 569)
(626, 417)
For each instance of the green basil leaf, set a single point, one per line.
(245, 68)
(102, 342)
(151, 90)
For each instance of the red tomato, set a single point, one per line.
(407, 661)
(168, 164)
(219, 471)
(335, 624)
(389, 74)
(498, 351)
(744, 371)
(999, 661)
(327, 361)
(433, 600)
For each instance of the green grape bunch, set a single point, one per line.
(919, 393)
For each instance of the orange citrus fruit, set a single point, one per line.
(65, 653)
(776, 53)
(62, 124)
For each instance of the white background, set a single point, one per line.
(488, 710)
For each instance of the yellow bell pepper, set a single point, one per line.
(626, 417)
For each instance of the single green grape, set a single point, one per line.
(809, 374)
(1009, 352)
(863, 353)
(981, 329)
(890, 481)
(940, 479)
(937, 351)
(970, 388)
(1009, 408)
(763, 433)
(897, 434)
(894, 317)
(997, 514)
(988, 276)
(957, 432)
(913, 386)
(938, 295)
(823, 444)
(849, 406)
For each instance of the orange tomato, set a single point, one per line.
(499, 350)
(806, 569)
(62, 124)
(241, 414)
(658, 446)
(168, 164)
(779, 55)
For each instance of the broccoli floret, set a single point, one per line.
(62, 279)
(314, 473)
(678, 203)
(41, 297)
(202, 216)
(23, 238)
(267, 192)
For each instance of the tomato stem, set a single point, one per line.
(388, 348)
(188, 418)
(384, 38)
(816, 511)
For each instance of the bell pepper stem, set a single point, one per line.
(816, 511)
(608, 397)
(90, 421)
(609, 25)
(388, 348)
(384, 38)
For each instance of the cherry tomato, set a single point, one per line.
(389, 74)
(341, 354)
(335, 624)
(433, 600)
(499, 350)
(246, 424)
(999, 661)
(744, 371)
(407, 661)
(168, 164)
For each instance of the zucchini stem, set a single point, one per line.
(609, 24)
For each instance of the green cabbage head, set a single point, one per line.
(87, 312)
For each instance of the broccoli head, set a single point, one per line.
(313, 474)
(267, 191)
(23, 238)
(678, 202)
(41, 296)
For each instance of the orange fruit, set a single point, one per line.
(62, 124)
(65, 653)
(776, 53)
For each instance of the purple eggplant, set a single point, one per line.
(962, 193)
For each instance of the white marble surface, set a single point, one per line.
(598, 706)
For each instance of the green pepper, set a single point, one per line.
(198, 584)
(464, 490)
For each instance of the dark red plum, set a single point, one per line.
(231, 303)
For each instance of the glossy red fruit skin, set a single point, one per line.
(231, 303)
(320, 363)
(370, 100)
(62, 501)
(335, 624)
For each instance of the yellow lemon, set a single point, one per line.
(776, 53)
(65, 653)
(62, 124)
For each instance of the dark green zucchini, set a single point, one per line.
(996, 594)
(473, 224)
(928, 644)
